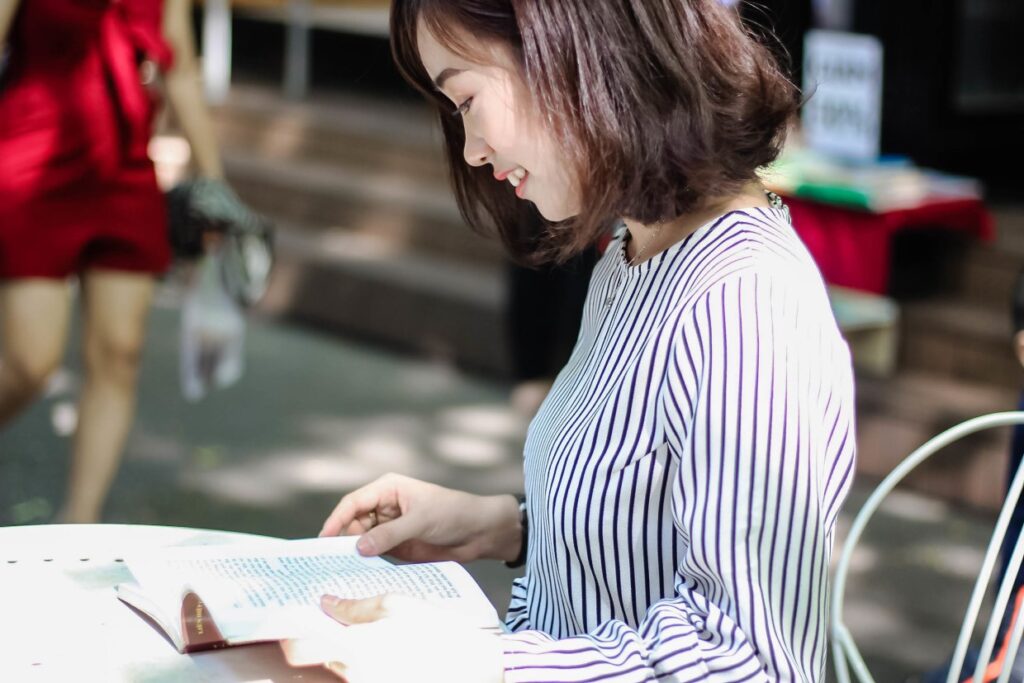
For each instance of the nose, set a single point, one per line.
(476, 151)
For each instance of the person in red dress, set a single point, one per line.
(79, 197)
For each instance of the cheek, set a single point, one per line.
(551, 161)
(505, 121)
(500, 129)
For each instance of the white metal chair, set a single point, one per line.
(846, 656)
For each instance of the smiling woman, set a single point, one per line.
(654, 106)
(684, 474)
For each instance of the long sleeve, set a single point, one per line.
(756, 405)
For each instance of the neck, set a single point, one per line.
(751, 196)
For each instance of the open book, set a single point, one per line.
(206, 597)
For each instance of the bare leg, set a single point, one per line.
(34, 317)
(116, 305)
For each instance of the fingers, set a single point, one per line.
(342, 517)
(350, 612)
(353, 508)
(361, 524)
(434, 643)
(382, 538)
(390, 611)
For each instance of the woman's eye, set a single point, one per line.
(463, 108)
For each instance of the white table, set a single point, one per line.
(60, 619)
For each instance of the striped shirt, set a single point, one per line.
(684, 475)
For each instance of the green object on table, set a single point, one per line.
(834, 194)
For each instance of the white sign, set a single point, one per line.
(843, 79)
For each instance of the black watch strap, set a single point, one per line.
(523, 522)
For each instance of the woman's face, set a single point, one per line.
(502, 126)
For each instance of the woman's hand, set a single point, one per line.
(398, 638)
(420, 522)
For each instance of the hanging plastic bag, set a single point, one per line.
(212, 331)
(246, 262)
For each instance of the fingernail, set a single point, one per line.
(327, 601)
(366, 546)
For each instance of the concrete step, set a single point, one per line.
(361, 286)
(370, 241)
(990, 271)
(961, 330)
(400, 119)
(332, 124)
(1009, 228)
(988, 276)
(358, 164)
(285, 142)
(898, 414)
(957, 338)
(385, 204)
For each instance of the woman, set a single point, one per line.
(78, 197)
(684, 475)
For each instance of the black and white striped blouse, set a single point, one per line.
(684, 475)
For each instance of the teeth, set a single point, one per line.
(516, 176)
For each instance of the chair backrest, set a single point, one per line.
(846, 656)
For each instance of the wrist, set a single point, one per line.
(504, 534)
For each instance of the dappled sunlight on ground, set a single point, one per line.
(342, 454)
(495, 421)
(916, 508)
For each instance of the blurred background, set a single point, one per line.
(392, 337)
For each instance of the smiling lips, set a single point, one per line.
(516, 177)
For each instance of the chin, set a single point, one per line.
(554, 214)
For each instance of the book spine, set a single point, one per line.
(197, 627)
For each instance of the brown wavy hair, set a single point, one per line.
(665, 104)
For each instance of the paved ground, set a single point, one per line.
(316, 416)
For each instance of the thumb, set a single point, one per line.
(383, 537)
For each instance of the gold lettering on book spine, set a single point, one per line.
(197, 625)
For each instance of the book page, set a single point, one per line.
(250, 589)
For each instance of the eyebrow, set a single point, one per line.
(445, 75)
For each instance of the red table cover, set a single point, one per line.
(852, 248)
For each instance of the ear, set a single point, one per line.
(1018, 346)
